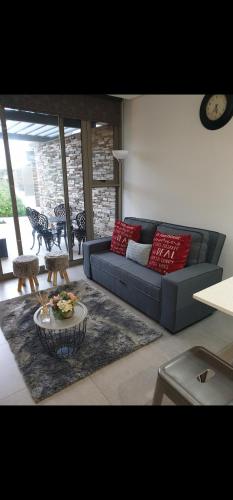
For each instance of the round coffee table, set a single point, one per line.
(62, 338)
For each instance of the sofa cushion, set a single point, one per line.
(199, 245)
(130, 273)
(139, 252)
(121, 234)
(169, 252)
(148, 228)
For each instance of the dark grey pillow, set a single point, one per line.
(148, 228)
(199, 244)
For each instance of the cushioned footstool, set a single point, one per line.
(57, 262)
(26, 267)
(195, 377)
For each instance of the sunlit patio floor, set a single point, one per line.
(7, 231)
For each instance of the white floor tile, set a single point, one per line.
(129, 380)
(11, 379)
(83, 392)
(19, 398)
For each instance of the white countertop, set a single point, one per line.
(219, 296)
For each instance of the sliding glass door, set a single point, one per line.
(8, 243)
(59, 185)
(39, 177)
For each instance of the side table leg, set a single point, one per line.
(20, 283)
(36, 280)
(55, 278)
(66, 276)
(31, 283)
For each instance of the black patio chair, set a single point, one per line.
(80, 229)
(60, 211)
(33, 216)
(49, 235)
(39, 223)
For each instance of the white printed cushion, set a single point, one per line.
(139, 252)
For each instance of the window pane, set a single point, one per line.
(7, 228)
(102, 146)
(37, 169)
(73, 153)
(104, 208)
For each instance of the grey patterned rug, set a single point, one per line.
(112, 332)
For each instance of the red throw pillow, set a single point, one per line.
(122, 234)
(169, 252)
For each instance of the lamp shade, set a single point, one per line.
(120, 154)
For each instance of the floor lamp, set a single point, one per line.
(120, 155)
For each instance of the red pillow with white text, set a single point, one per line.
(122, 233)
(169, 252)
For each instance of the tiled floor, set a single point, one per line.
(128, 381)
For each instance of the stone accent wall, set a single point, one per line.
(49, 174)
(48, 180)
(102, 146)
(104, 208)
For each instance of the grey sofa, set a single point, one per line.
(167, 299)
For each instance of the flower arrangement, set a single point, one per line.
(63, 304)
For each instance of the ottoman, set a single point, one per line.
(26, 267)
(57, 262)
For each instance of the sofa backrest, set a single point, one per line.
(148, 227)
(214, 240)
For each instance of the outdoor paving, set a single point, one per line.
(7, 231)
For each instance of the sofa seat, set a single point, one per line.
(134, 283)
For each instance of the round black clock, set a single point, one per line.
(216, 110)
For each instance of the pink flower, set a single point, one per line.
(56, 298)
(72, 296)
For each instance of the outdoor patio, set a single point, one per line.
(7, 231)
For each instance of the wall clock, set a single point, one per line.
(216, 110)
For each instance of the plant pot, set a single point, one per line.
(58, 314)
(68, 314)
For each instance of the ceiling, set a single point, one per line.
(125, 96)
(39, 127)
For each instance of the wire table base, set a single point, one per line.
(62, 338)
(62, 343)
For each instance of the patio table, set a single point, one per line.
(54, 218)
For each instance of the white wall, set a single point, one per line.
(178, 171)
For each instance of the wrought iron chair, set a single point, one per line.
(60, 211)
(49, 235)
(80, 230)
(33, 216)
(39, 223)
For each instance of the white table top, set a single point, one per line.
(219, 296)
(80, 313)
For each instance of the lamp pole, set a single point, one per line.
(120, 190)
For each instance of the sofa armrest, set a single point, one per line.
(178, 308)
(93, 246)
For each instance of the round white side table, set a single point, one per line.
(62, 338)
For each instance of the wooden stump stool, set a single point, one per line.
(54, 263)
(26, 267)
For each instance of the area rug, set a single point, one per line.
(112, 332)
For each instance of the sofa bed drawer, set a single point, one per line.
(128, 289)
